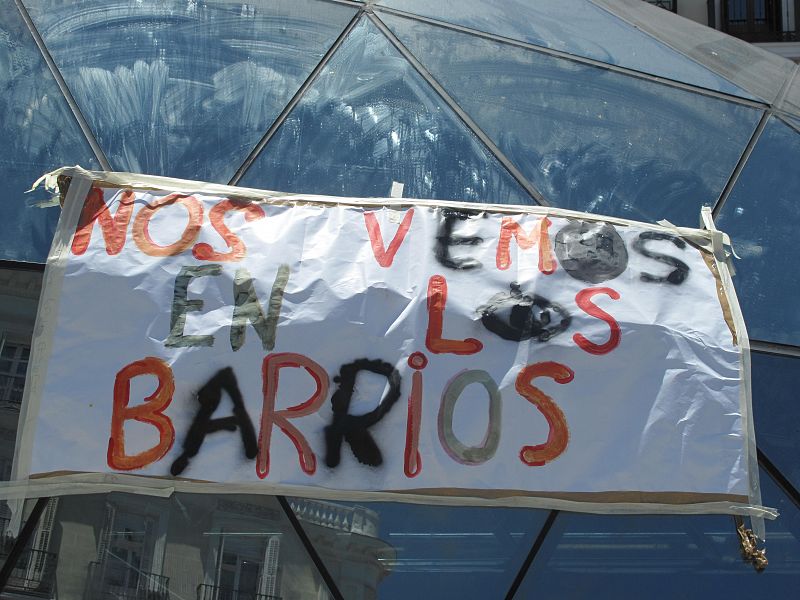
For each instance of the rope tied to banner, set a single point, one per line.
(748, 544)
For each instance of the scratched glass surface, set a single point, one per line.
(687, 557)
(188, 546)
(762, 219)
(369, 120)
(436, 551)
(588, 138)
(185, 88)
(38, 133)
(776, 380)
(791, 102)
(754, 69)
(575, 26)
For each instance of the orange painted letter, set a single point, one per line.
(114, 228)
(539, 237)
(385, 257)
(437, 300)
(141, 223)
(270, 369)
(216, 215)
(150, 412)
(558, 438)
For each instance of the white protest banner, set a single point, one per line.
(204, 337)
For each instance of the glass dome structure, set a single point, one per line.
(607, 106)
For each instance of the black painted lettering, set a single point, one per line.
(591, 252)
(529, 316)
(353, 429)
(209, 398)
(445, 240)
(680, 270)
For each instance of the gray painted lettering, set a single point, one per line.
(470, 455)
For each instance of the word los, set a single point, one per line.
(344, 428)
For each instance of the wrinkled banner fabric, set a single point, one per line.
(207, 338)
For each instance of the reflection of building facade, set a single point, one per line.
(771, 24)
(198, 547)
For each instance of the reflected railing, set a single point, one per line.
(34, 574)
(103, 583)
(216, 592)
(353, 519)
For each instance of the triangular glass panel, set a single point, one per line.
(588, 138)
(40, 134)
(762, 219)
(760, 72)
(776, 380)
(427, 551)
(185, 89)
(574, 26)
(689, 556)
(370, 120)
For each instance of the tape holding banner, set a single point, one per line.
(210, 338)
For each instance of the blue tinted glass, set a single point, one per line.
(664, 557)
(430, 551)
(185, 89)
(776, 380)
(575, 26)
(39, 134)
(762, 219)
(370, 119)
(588, 138)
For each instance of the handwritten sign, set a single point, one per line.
(346, 346)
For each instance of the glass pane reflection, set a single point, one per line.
(665, 557)
(762, 219)
(776, 380)
(575, 26)
(436, 551)
(189, 546)
(185, 89)
(39, 134)
(369, 120)
(588, 138)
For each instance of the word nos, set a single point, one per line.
(591, 252)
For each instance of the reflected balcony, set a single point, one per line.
(215, 592)
(108, 582)
(33, 575)
(352, 519)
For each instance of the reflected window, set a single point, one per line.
(126, 558)
(753, 20)
(13, 366)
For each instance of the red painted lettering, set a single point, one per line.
(114, 227)
(385, 257)
(150, 412)
(437, 301)
(584, 301)
(216, 215)
(412, 463)
(270, 370)
(558, 437)
(539, 237)
(141, 223)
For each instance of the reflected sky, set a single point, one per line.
(575, 26)
(369, 120)
(588, 138)
(185, 89)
